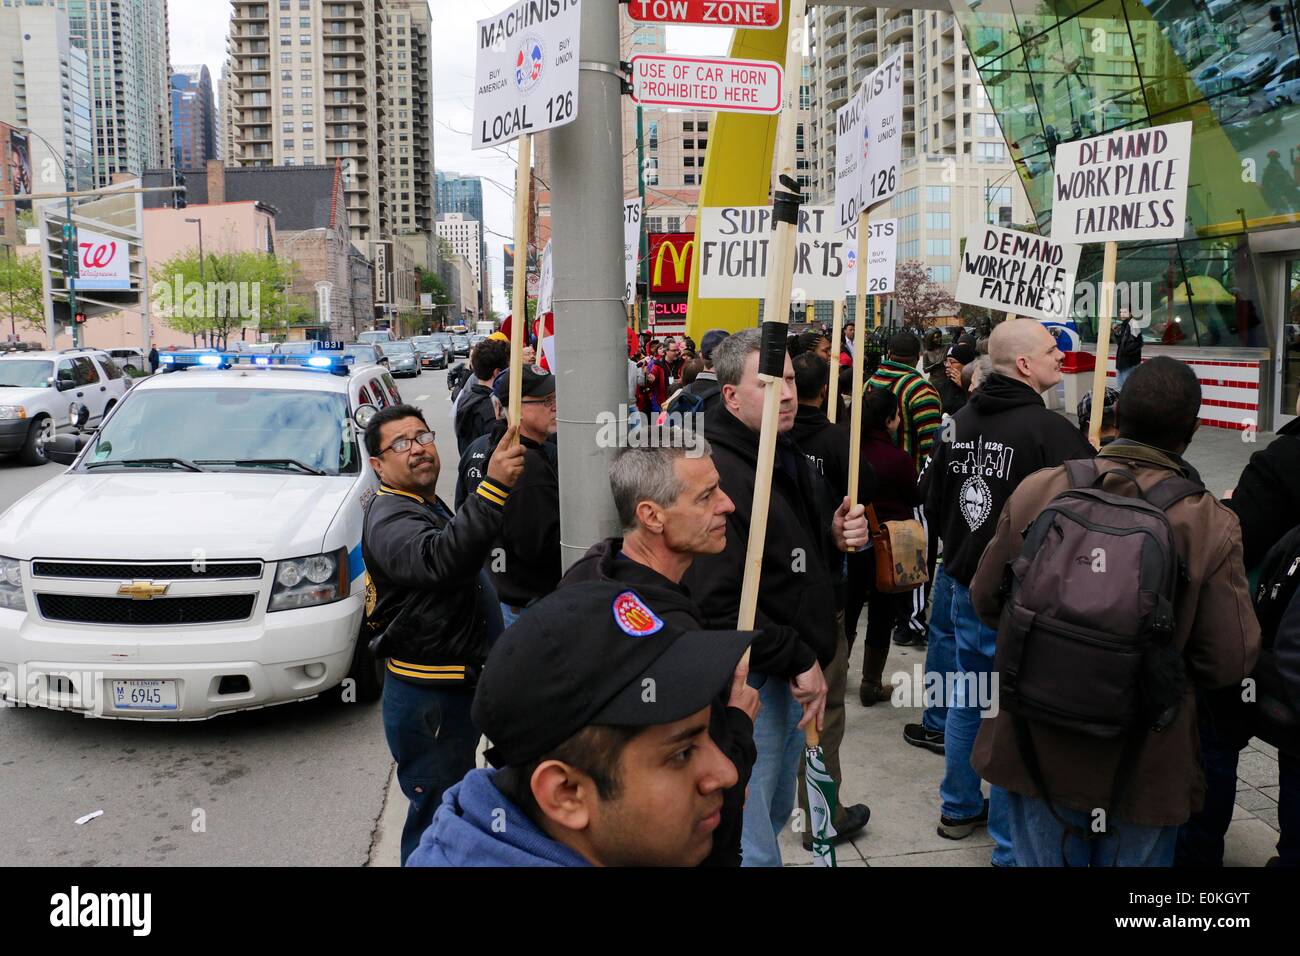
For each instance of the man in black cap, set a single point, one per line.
(598, 712)
(473, 409)
(425, 603)
(525, 564)
(705, 388)
(952, 395)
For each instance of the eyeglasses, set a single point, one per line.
(549, 401)
(404, 444)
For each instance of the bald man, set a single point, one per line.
(1002, 435)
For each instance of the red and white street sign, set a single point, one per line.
(707, 83)
(745, 14)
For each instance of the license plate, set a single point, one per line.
(144, 694)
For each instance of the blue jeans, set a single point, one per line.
(1121, 376)
(960, 793)
(433, 740)
(780, 746)
(941, 649)
(1038, 836)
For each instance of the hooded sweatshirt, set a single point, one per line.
(730, 727)
(467, 831)
(1004, 434)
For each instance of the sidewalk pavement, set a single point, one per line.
(901, 782)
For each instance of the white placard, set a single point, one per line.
(103, 262)
(631, 246)
(733, 253)
(707, 83)
(882, 258)
(869, 143)
(526, 71)
(1123, 186)
(1018, 272)
(546, 290)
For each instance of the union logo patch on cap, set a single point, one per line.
(633, 617)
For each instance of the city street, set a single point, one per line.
(298, 784)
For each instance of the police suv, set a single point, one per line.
(246, 587)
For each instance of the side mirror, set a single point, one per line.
(361, 417)
(64, 384)
(64, 449)
(78, 416)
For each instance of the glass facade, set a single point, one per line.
(1063, 70)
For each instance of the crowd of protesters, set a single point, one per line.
(1097, 701)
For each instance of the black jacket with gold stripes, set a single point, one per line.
(423, 601)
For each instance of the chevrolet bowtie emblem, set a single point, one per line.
(142, 590)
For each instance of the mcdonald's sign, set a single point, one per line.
(671, 256)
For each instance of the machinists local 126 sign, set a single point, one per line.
(526, 73)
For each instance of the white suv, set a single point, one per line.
(246, 589)
(41, 392)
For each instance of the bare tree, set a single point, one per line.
(922, 300)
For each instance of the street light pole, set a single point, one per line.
(69, 238)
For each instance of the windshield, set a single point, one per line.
(361, 354)
(442, 339)
(424, 341)
(398, 347)
(238, 424)
(26, 373)
(297, 348)
(460, 340)
(373, 337)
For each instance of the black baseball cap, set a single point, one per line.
(537, 382)
(963, 351)
(583, 655)
(710, 341)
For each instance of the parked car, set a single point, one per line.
(403, 359)
(130, 359)
(1253, 71)
(42, 392)
(1284, 88)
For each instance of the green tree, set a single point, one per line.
(20, 291)
(229, 291)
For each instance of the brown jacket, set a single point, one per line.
(1215, 627)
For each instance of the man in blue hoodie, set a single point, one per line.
(598, 712)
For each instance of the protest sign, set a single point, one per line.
(882, 258)
(869, 143)
(526, 71)
(1123, 186)
(1018, 272)
(734, 253)
(631, 246)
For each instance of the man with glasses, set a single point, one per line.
(427, 602)
(525, 564)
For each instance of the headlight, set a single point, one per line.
(12, 411)
(11, 584)
(314, 579)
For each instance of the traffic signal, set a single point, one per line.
(79, 318)
(1275, 14)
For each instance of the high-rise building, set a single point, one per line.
(410, 127)
(306, 83)
(464, 235)
(194, 121)
(956, 172)
(127, 46)
(45, 86)
(464, 194)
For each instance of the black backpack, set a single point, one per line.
(1085, 643)
(1275, 716)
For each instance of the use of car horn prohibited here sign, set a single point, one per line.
(707, 83)
(746, 14)
(526, 70)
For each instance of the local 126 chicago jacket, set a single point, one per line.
(423, 565)
(1004, 434)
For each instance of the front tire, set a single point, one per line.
(33, 450)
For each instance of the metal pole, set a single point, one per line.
(590, 321)
(643, 252)
(69, 259)
(9, 266)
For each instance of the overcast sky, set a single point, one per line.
(198, 35)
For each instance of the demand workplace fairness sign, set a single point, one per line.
(1018, 273)
(1123, 186)
(526, 71)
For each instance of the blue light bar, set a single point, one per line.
(335, 363)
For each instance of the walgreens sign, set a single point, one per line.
(103, 262)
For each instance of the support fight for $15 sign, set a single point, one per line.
(734, 248)
(526, 72)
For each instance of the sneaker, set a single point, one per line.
(851, 822)
(904, 637)
(918, 735)
(951, 829)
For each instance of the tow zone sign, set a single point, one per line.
(746, 14)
